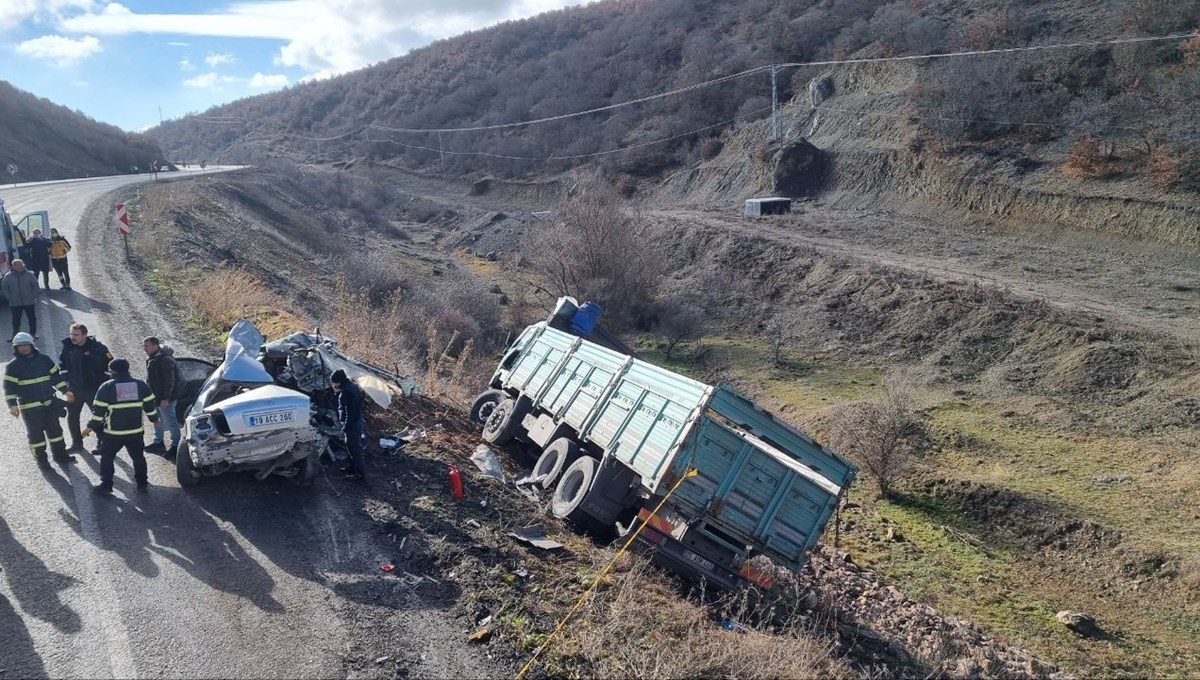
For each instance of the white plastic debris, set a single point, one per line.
(485, 459)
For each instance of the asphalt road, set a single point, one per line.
(224, 581)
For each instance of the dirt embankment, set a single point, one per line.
(874, 158)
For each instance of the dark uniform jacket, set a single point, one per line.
(119, 406)
(39, 253)
(350, 403)
(166, 381)
(30, 381)
(86, 365)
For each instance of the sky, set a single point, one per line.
(120, 62)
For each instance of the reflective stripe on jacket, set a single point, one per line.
(119, 405)
(30, 381)
(59, 247)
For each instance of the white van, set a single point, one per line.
(16, 233)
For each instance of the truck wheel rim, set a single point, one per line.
(572, 485)
(494, 418)
(486, 410)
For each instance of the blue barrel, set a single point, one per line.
(585, 319)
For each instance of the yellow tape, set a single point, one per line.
(608, 567)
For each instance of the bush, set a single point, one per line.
(599, 249)
(1090, 159)
(881, 434)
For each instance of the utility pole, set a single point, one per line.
(160, 116)
(441, 153)
(775, 132)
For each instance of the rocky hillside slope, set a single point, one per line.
(1014, 135)
(47, 141)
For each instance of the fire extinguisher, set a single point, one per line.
(456, 485)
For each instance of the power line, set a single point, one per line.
(768, 67)
(1001, 50)
(582, 155)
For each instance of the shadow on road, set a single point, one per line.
(17, 656)
(75, 301)
(35, 586)
(168, 524)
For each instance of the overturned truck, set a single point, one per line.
(268, 408)
(617, 433)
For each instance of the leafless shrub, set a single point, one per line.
(679, 321)
(882, 434)
(372, 273)
(600, 249)
(1090, 158)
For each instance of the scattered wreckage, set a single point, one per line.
(268, 408)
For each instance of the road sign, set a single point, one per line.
(122, 220)
(12, 168)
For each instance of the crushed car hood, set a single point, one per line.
(377, 383)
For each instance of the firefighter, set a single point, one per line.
(350, 413)
(30, 380)
(84, 360)
(118, 408)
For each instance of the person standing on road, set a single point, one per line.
(38, 247)
(166, 381)
(117, 410)
(30, 380)
(350, 413)
(84, 360)
(59, 247)
(20, 286)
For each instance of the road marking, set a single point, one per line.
(120, 651)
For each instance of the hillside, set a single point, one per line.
(48, 141)
(1103, 113)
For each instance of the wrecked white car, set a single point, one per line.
(269, 408)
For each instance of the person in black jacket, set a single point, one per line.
(38, 247)
(30, 381)
(118, 409)
(166, 381)
(350, 413)
(84, 360)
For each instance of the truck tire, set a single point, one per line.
(556, 457)
(572, 489)
(503, 423)
(483, 405)
(185, 472)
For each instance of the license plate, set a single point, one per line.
(270, 418)
(698, 560)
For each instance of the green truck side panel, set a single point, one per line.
(761, 483)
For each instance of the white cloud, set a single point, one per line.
(60, 50)
(13, 12)
(176, 43)
(268, 81)
(217, 81)
(322, 37)
(186, 64)
(214, 60)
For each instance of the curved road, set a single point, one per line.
(226, 582)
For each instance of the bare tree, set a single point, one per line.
(679, 322)
(880, 433)
(600, 249)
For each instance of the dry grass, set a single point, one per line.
(221, 298)
(640, 628)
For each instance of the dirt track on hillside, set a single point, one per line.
(1147, 288)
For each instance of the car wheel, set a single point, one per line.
(185, 472)
(484, 404)
(556, 457)
(502, 424)
(572, 490)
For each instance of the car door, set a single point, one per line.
(34, 220)
(195, 372)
